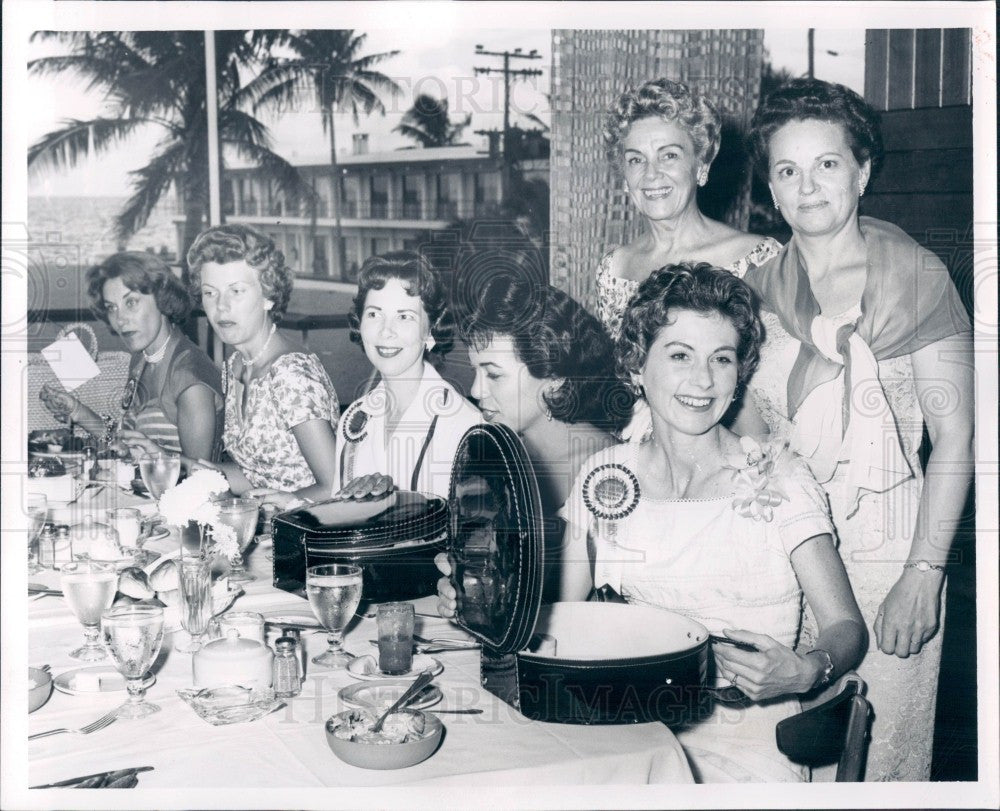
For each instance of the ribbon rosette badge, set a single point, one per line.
(611, 491)
(355, 423)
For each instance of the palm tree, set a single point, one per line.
(157, 78)
(427, 123)
(330, 69)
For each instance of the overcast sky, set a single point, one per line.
(442, 66)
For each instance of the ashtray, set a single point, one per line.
(231, 705)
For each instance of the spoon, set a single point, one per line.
(419, 684)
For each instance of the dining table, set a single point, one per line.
(288, 748)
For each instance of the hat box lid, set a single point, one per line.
(496, 539)
(400, 517)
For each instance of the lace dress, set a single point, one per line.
(613, 292)
(724, 562)
(259, 438)
(874, 543)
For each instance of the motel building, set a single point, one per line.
(389, 201)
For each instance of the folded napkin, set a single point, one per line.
(122, 778)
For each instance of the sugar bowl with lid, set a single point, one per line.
(233, 660)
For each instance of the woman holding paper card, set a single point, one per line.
(173, 398)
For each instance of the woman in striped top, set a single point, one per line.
(173, 398)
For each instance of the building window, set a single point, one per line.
(351, 197)
(321, 259)
(446, 195)
(379, 187)
(411, 197)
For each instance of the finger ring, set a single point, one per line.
(733, 679)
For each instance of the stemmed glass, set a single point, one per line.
(196, 600)
(37, 508)
(241, 515)
(334, 591)
(89, 588)
(133, 635)
(159, 472)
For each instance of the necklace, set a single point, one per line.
(248, 363)
(157, 356)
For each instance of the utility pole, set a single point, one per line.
(812, 50)
(508, 73)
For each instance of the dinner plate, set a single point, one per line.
(307, 618)
(132, 557)
(376, 695)
(366, 668)
(111, 680)
(62, 456)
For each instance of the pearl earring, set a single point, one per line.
(861, 190)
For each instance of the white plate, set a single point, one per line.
(293, 617)
(111, 680)
(366, 667)
(133, 557)
(380, 695)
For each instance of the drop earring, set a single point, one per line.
(861, 189)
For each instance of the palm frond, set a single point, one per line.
(279, 171)
(149, 185)
(63, 148)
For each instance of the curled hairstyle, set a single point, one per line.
(419, 279)
(804, 99)
(701, 288)
(555, 338)
(144, 273)
(241, 243)
(668, 101)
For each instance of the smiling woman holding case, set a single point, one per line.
(405, 431)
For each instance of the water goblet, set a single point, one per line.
(195, 587)
(133, 635)
(37, 509)
(89, 588)
(334, 591)
(241, 515)
(159, 472)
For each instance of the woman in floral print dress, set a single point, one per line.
(280, 404)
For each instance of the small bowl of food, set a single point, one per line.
(39, 688)
(407, 738)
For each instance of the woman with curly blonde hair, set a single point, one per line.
(280, 404)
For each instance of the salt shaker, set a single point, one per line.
(287, 681)
(296, 634)
(47, 547)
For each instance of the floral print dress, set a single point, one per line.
(259, 437)
(613, 292)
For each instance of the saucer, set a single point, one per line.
(366, 668)
(111, 680)
(380, 695)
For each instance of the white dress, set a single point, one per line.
(714, 561)
(419, 452)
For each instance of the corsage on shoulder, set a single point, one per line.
(611, 491)
(757, 492)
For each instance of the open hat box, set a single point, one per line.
(613, 663)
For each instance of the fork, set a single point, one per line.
(100, 723)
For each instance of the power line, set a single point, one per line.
(508, 74)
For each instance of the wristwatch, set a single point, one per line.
(923, 566)
(827, 674)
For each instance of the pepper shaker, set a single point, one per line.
(296, 634)
(287, 681)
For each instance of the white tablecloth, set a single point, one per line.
(289, 749)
